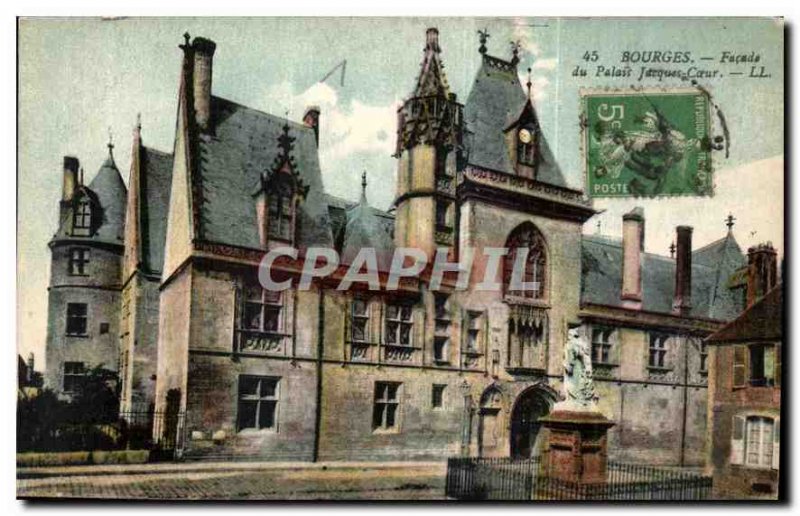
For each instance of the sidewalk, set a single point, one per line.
(238, 481)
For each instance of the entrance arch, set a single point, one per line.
(531, 404)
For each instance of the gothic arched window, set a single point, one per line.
(526, 238)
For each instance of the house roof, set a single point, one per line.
(107, 192)
(367, 228)
(495, 102)
(761, 321)
(244, 146)
(156, 183)
(601, 281)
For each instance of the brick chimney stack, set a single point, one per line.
(682, 301)
(762, 271)
(311, 119)
(70, 180)
(632, 247)
(203, 50)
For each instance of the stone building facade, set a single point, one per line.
(420, 372)
(744, 410)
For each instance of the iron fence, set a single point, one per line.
(524, 480)
(116, 431)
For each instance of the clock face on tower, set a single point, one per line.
(525, 136)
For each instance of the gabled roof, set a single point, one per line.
(726, 257)
(496, 101)
(108, 195)
(156, 181)
(601, 281)
(243, 146)
(763, 321)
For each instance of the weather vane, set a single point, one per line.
(483, 35)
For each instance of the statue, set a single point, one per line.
(579, 388)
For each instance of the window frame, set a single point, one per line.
(660, 350)
(259, 398)
(387, 395)
(758, 355)
(75, 377)
(604, 346)
(766, 445)
(437, 396)
(400, 323)
(281, 206)
(362, 318)
(74, 316)
(265, 305)
(78, 265)
(527, 236)
(82, 217)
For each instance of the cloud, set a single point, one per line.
(549, 63)
(522, 33)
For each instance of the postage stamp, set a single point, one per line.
(647, 143)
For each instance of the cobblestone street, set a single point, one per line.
(243, 481)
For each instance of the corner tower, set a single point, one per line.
(429, 141)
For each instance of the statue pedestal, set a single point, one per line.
(576, 445)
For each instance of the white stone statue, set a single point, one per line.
(579, 391)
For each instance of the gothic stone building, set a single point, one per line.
(323, 374)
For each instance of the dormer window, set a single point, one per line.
(526, 146)
(281, 210)
(82, 218)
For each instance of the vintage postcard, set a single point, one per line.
(302, 259)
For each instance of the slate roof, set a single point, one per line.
(601, 281)
(156, 185)
(357, 224)
(107, 190)
(496, 101)
(244, 145)
(762, 321)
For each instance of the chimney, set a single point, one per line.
(762, 271)
(311, 119)
(30, 368)
(682, 301)
(70, 180)
(632, 247)
(201, 80)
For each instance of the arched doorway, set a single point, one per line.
(531, 405)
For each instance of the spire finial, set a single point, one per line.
(672, 250)
(139, 121)
(364, 187)
(186, 38)
(529, 83)
(483, 35)
(515, 46)
(730, 220)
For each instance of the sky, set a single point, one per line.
(83, 79)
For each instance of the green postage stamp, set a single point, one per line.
(647, 143)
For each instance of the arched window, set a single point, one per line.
(526, 237)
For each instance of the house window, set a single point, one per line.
(281, 210)
(601, 345)
(76, 318)
(385, 411)
(473, 330)
(441, 339)
(359, 321)
(398, 324)
(78, 261)
(526, 238)
(703, 357)
(762, 365)
(658, 350)
(258, 402)
(440, 346)
(82, 219)
(526, 147)
(262, 309)
(441, 214)
(74, 374)
(437, 395)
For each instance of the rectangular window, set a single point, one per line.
(703, 357)
(258, 402)
(76, 318)
(398, 324)
(739, 376)
(601, 345)
(762, 365)
(441, 339)
(441, 214)
(82, 220)
(473, 330)
(437, 395)
(440, 349)
(359, 324)
(658, 350)
(262, 309)
(74, 374)
(78, 261)
(387, 405)
(759, 444)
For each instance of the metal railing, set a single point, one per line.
(524, 480)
